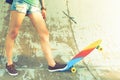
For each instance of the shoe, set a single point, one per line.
(11, 70)
(57, 67)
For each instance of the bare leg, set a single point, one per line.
(16, 19)
(40, 26)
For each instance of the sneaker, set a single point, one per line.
(11, 70)
(57, 67)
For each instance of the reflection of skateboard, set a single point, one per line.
(78, 57)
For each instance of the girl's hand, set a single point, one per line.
(43, 12)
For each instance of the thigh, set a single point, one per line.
(16, 19)
(38, 23)
(17, 13)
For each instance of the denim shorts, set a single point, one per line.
(24, 7)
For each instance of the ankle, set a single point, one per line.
(52, 65)
(9, 63)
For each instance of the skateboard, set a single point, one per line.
(82, 54)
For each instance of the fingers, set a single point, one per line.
(43, 12)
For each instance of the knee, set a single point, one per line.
(13, 34)
(44, 36)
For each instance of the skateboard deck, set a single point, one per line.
(83, 53)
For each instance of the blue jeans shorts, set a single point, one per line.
(24, 7)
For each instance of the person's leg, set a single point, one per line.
(40, 26)
(16, 19)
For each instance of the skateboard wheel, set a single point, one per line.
(99, 48)
(73, 70)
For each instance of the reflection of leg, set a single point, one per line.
(40, 26)
(15, 23)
